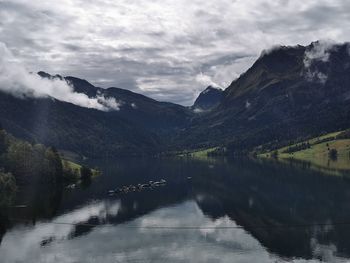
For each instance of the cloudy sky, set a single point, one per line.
(166, 49)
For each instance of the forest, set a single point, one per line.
(25, 163)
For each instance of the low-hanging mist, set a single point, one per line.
(15, 79)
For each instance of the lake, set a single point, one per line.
(213, 210)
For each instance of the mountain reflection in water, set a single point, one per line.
(230, 211)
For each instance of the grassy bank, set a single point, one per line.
(74, 171)
(331, 151)
(199, 154)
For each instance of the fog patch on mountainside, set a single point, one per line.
(16, 80)
(319, 52)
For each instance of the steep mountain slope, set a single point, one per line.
(159, 117)
(69, 127)
(208, 99)
(289, 92)
(140, 127)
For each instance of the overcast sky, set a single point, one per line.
(168, 50)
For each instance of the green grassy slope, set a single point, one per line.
(319, 151)
(76, 167)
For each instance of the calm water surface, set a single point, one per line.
(229, 211)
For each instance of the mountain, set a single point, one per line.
(140, 127)
(73, 128)
(288, 93)
(142, 111)
(208, 99)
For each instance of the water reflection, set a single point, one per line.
(245, 212)
(274, 195)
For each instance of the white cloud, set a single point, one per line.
(206, 81)
(320, 51)
(16, 80)
(198, 110)
(119, 43)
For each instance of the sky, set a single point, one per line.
(169, 50)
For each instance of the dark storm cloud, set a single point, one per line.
(169, 50)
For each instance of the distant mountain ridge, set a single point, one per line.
(288, 93)
(139, 109)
